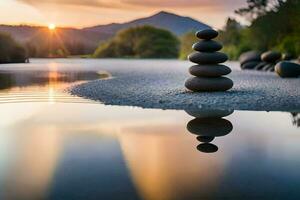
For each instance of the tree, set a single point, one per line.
(10, 50)
(140, 42)
(274, 24)
(258, 8)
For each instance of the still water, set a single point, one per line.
(60, 147)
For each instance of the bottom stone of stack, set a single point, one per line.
(203, 84)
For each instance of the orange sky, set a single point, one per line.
(83, 13)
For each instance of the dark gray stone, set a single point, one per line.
(202, 84)
(207, 46)
(271, 56)
(249, 56)
(209, 113)
(209, 70)
(208, 58)
(272, 69)
(215, 127)
(205, 139)
(207, 34)
(250, 65)
(287, 69)
(267, 67)
(207, 148)
(260, 65)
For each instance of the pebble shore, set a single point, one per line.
(163, 87)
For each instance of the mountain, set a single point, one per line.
(174, 23)
(77, 41)
(86, 40)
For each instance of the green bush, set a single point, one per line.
(140, 42)
(10, 50)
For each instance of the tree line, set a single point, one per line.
(273, 25)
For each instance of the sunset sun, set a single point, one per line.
(51, 26)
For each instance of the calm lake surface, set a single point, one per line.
(57, 146)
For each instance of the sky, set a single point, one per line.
(84, 13)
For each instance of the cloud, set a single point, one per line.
(140, 3)
(85, 3)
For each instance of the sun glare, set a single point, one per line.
(51, 26)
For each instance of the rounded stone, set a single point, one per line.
(209, 70)
(202, 84)
(249, 56)
(287, 69)
(209, 113)
(207, 46)
(207, 34)
(250, 64)
(214, 127)
(267, 67)
(272, 69)
(260, 65)
(271, 56)
(208, 58)
(205, 139)
(207, 148)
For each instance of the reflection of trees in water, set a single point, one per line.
(296, 119)
(10, 79)
(209, 124)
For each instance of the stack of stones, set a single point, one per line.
(208, 72)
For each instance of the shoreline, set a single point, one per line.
(164, 89)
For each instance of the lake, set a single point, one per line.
(58, 146)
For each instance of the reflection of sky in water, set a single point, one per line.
(86, 150)
(78, 150)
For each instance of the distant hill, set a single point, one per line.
(174, 23)
(87, 41)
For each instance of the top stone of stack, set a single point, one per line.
(207, 34)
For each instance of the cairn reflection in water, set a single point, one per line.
(209, 124)
(296, 119)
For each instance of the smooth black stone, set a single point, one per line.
(215, 127)
(267, 67)
(202, 84)
(209, 113)
(249, 56)
(207, 34)
(260, 65)
(287, 69)
(250, 65)
(207, 46)
(271, 68)
(207, 148)
(271, 56)
(205, 138)
(209, 70)
(208, 58)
